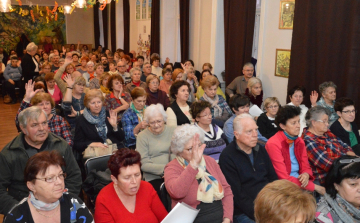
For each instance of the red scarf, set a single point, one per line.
(137, 84)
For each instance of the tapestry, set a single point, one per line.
(38, 23)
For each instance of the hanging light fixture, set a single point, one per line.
(102, 1)
(67, 9)
(80, 3)
(4, 5)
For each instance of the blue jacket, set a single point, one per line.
(13, 73)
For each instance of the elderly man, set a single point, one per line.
(146, 71)
(56, 63)
(121, 65)
(239, 84)
(246, 166)
(34, 138)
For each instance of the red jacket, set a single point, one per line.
(279, 152)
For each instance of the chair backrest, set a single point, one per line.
(165, 197)
(97, 163)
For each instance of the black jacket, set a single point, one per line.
(86, 133)
(344, 135)
(246, 180)
(267, 127)
(28, 67)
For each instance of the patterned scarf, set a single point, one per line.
(209, 188)
(346, 211)
(140, 114)
(290, 139)
(98, 121)
(214, 104)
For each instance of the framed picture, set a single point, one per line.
(282, 63)
(286, 16)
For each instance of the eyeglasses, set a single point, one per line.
(356, 160)
(52, 179)
(158, 122)
(325, 122)
(349, 112)
(206, 115)
(122, 66)
(154, 83)
(273, 106)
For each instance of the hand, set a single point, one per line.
(304, 179)
(231, 95)
(143, 124)
(11, 82)
(79, 42)
(226, 220)
(197, 151)
(29, 89)
(68, 79)
(183, 66)
(73, 112)
(63, 49)
(321, 190)
(98, 144)
(313, 98)
(68, 60)
(167, 60)
(351, 153)
(113, 119)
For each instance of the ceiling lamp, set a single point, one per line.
(102, 1)
(80, 3)
(67, 9)
(4, 5)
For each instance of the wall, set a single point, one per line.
(270, 39)
(80, 26)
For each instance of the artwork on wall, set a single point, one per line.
(144, 47)
(282, 63)
(43, 29)
(143, 9)
(286, 15)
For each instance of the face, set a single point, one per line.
(117, 86)
(349, 189)
(69, 69)
(136, 76)
(36, 131)
(321, 125)
(46, 69)
(242, 110)
(75, 58)
(107, 52)
(104, 60)
(205, 117)
(45, 56)
(211, 91)
(112, 67)
(110, 59)
(205, 74)
(78, 88)
(121, 67)
(136, 64)
(93, 58)
(179, 77)
(248, 72)
(248, 136)
(154, 85)
(90, 68)
(206, 68)
(183, 93)
(105, 81)
(56, 59)
(156, 63)
(141, 61)
(348, 113)
(156, 124)
(272, 109)
(140, 102)
(187, 64)
(147, 69)
(292, 126)
(187, 151)
(297, 98)
(128, 181)
(14, 63)
(45, 191)
(95, 106)
(83, 63)
(50, 84)
(45, 105)
(330, 94)
(256, 89)
(99, 70)
(167, 76)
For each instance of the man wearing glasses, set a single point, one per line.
(121, 66)
(239, 84)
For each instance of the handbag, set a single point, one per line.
(93, 151)
(7, 99)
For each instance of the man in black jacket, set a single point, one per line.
(34, 138)
(246, 167)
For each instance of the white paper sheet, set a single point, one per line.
(255, 111)
(181, 213)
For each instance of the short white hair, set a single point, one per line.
(30, 113)
(51, 55)
(237, 125)
(182, 135)
(31, 47)
(153, 110)
(132, 71)
(90, 63)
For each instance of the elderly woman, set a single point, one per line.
(154, 94)
(103, 83)
(155, 68)
(190, 172)
(328, 93)
(287, 151)
(83, 61)
(341, 202)
(166, 82)
(48, 199)
(95, 82)
(322, 146)
(56, 123)
(215, 138)
(200, 90)
(345, 128)
(220, 110)
(254, 92)
(133, 118)
(93, 127)
(29, 65)
(296, 96)
(69, 69)
(128, 198)
(282, 201)
(135, 80)
(266, 121)
(178, 112)
(90, 72)
(52, 88)
(153, 144)
(192, 79)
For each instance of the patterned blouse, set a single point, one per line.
(112, 103)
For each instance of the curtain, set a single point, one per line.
(126, 13)
(105, 14)
(326, 47)
(113, 26)
(96, 25)
(155, 27)
(239, 19)
(184, 28)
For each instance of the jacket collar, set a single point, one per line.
(17, 142)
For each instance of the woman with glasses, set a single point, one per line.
(48, 199)
(287, 151)
(266, 121)
(154, 94)
(345, 128)
(153, 144)
(322, 146)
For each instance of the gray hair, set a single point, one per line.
(133, 70)
(30, 113)
(51, 55)
(248, 64)
(62, 60)
(238, 127)
(182, 135)
(31, 47)
(146, 63)
(314, 114)
(90, 63)
(325, 85)
(153, 110)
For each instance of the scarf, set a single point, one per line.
(104, 89)
(255, 100)
(98, 121)
(137, 84)
(140, 114)
(40, 205)
(214, 105)
(209, 188)
(290, 139)
(346, 211)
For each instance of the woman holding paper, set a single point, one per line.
(196, 179)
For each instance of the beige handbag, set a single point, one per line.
(91, 151)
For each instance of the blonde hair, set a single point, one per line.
(150, 78)
(270, 100)
(91, 94)
(80, 81)
(103, 76)
(132, 71)
(209, 81)
(208, 65)
(282, 200)
(252, 81)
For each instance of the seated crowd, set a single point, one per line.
(174, 130)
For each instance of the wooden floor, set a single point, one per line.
(7, 125)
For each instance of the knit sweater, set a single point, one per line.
(266, 126)
(13, 73)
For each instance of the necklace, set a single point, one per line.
(47, 216)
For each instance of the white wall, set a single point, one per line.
(80, 26)
(270, 39)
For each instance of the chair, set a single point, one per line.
(97, 163)
(165, 197)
